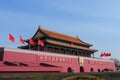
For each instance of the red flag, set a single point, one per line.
(109, 54)
(106, 54)
(21, 40)
(101, 55)
(32, 42)
(11, 38)
(40, 42)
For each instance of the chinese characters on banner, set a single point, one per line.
(94, 62)
(53, 58)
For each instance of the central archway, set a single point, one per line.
(81, 69)
(69, 69)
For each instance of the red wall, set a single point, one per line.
(98, 64)
(63, 63)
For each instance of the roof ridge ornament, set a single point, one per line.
(77, 37)
(39, 26)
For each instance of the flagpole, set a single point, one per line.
(38, 45)
(29, 44)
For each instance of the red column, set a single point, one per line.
(45, 48)
(52, 49)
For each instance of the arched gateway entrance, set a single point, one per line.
(81, 69)
(69, 69)
(91, 70)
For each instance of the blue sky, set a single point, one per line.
(94, 21)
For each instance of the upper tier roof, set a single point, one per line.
(61, 36)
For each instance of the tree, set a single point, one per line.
(117, 62)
